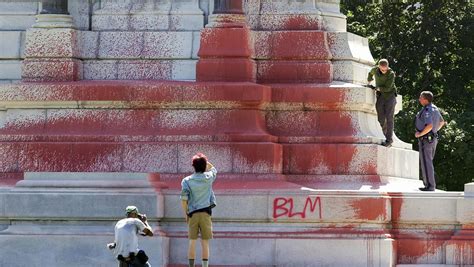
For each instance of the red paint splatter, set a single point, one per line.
(301, 22)
(225, 55)
(370, 208)
(10, 179)
(413, 250)
(396, 202)
(462, 244)
(316, 125)
(155, 181)
(298, 45)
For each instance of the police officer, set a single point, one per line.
(386, 98)
(428, 122)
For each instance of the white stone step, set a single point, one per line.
(430, 265)
(81, 247)
(80, 195)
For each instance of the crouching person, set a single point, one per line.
(125, 247)
(197, 201)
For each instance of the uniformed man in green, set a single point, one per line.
(386, 98)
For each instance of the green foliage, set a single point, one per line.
(430, 45)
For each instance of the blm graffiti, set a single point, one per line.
(284, 207)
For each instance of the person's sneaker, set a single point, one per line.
(387, 143)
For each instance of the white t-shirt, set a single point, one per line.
(126, 236)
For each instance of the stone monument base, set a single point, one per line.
(69, 217)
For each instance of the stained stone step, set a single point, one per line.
(197, 264)
(432, 265)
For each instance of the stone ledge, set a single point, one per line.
(350, 71)
(469, 190)
(333, 21)
(97, 185)
(430, 265)
(349, 159)
(116, 94)
(82, 205)
(232, 157)
(349, 46)
(75, 249)
(88, 176)
(17, 22)
(89, 182)
(161, 91)
(256, 249)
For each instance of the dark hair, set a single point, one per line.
(383, 62)
(199, 162)
(427, 95)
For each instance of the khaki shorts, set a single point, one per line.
(200, 222)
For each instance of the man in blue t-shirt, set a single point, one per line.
(197, 201)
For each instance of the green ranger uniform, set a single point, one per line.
(385, 82)
(386, 99)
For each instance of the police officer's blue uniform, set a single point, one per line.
(429, 114)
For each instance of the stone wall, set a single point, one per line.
(159, 39)
(15, 18)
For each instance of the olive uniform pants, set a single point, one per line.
(385, 111)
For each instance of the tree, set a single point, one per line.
(430, 46)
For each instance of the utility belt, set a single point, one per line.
(430, 137)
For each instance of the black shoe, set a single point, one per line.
(387, 143)
(426, 189)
